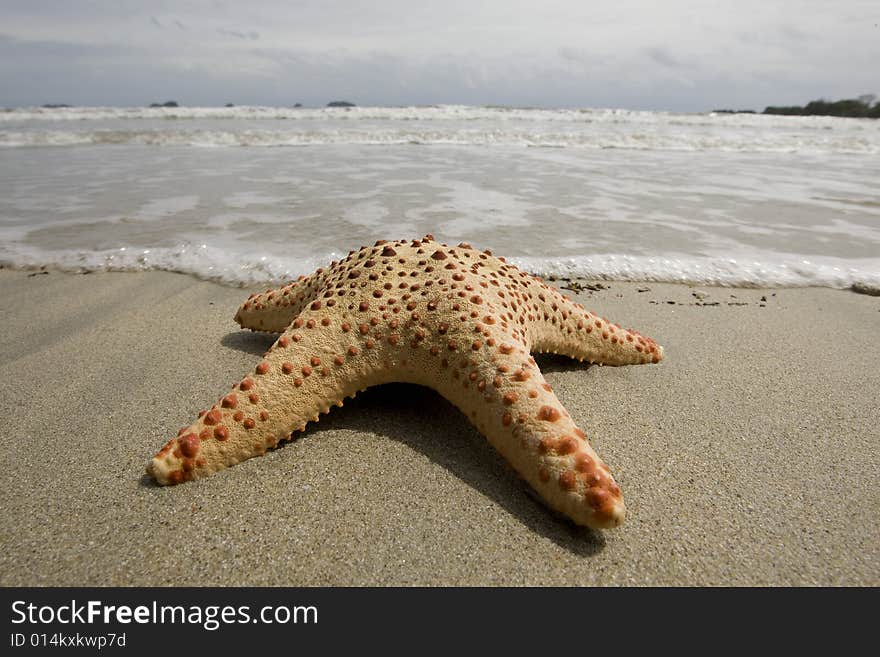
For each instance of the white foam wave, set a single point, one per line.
(761, 143)
(772, 271)
(425, 113)
(248, 268)
(445, 124)
(201, 260)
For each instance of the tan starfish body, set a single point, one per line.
(451, 318)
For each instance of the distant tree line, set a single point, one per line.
(863, 107)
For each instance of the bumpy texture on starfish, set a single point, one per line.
(451, 318)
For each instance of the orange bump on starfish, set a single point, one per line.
(417, 307)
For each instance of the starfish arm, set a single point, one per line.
(301, 376)
(565, 327)
(273, 310)
(507, 398)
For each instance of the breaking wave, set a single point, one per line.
(456, 125)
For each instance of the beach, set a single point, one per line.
(749, 456)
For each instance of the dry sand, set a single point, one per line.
(749, 456)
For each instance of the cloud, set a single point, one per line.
(661, 55)
(681, 55)
(252, 35)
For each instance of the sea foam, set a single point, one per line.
(249, 267)
(458, 125)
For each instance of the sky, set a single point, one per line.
(677, 55)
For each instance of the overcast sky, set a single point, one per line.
(657, 54)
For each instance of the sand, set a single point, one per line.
(749, 456)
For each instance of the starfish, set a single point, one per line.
(454, 319)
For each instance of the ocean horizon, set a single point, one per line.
(249, 195)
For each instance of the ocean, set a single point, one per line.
(253, 195)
